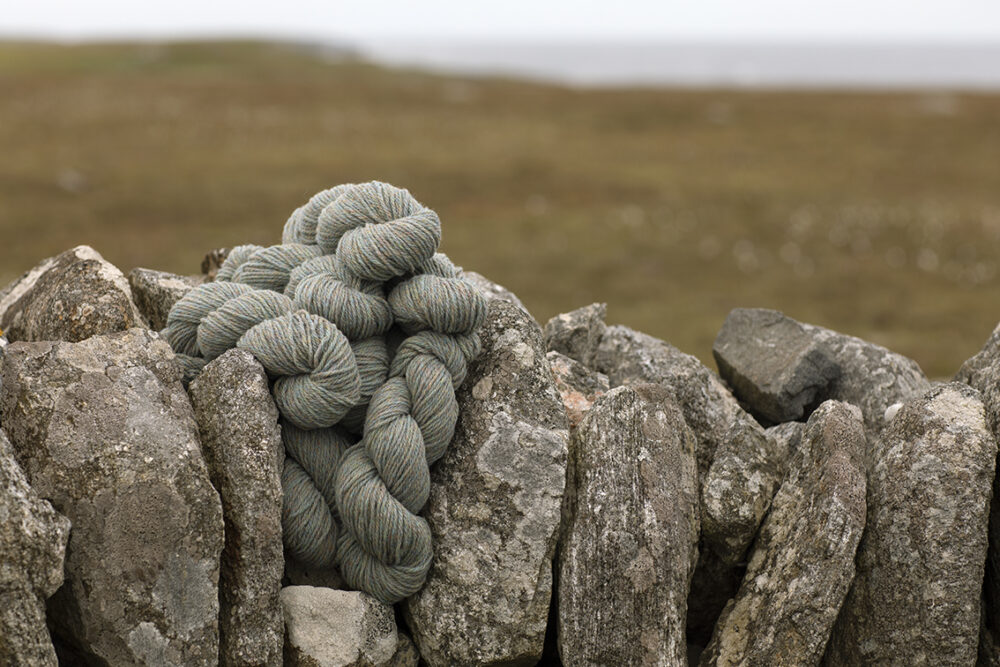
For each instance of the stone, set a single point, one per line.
(781, 369)
(33, 540)
(212, 262)
(627, 357)
(578, 333)
(738, 489)
(71, 297)
(495, 506)
(915, 599)
(156, 292)
(786, 438)
(329, 628)
(491, 289)
(104, 431)
(982, 372)
(628, 550)
(241, 441)
(578, 385)
(803, 560)
(406, 654)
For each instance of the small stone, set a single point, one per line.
(33, 540)
(803, 560)
(737, 492)
(328, 628)
(578, 385)
(70, 297)
(212, 262)
(104, 431)
(406, 652)
(578, 333)
(915, 599)
(781, 369)
(156, 292)
(491, 289)
(241, 441)
(628, 550)
(495, 505)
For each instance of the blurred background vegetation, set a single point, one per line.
(874, 214)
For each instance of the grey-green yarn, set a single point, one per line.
(314, 312)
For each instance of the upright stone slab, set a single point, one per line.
(328, 628)
(629, 546)
(982, 372)
(33, 540)
(803, 560)
(241, 441)
(104, 431)
(628, 357)
(69, 297)
(494, 507)
(156, 292)
(780, 369)
(915, 600)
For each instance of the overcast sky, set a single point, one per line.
(366, 20)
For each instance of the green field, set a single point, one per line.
(875, 214)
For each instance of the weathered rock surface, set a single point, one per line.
(33, 540)
(915, 600)
(328, 628)
(982, 372)
(155, 293)
(104, 431)
(578, 385)
(628, 550)
(578, 333)
(803, 561)
(780, 368)
(406, 654)
(494, 508)
(491, 289)
(70, 297)
(738, 489)
(626, 357)
(241, 441)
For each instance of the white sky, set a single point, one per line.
(366, 20)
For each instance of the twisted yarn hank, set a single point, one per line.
(345, 358)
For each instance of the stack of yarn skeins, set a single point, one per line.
(365, 332)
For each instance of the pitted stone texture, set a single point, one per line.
(241, 442)
(328, 628)
(156, 292)
(628, 550)
(982, 372)
(494, 508)
(33, 540)
(577, 333)
(737, 492)
(781, 368)
(491, 289)
(578, 385)
(406, 654)
(773, 364)
(803, 561)
(915, 600)
(104, 431)
(71, 297)
(626, 357)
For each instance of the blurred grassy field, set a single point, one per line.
(875, 214)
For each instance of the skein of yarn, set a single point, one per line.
(364, 329)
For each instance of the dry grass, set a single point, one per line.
(875, 214)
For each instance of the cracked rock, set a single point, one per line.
(494, 508)
(628, 549)
(156, 292)
(578, 333)
(104, 431)
(915, 599)
(578, 385)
